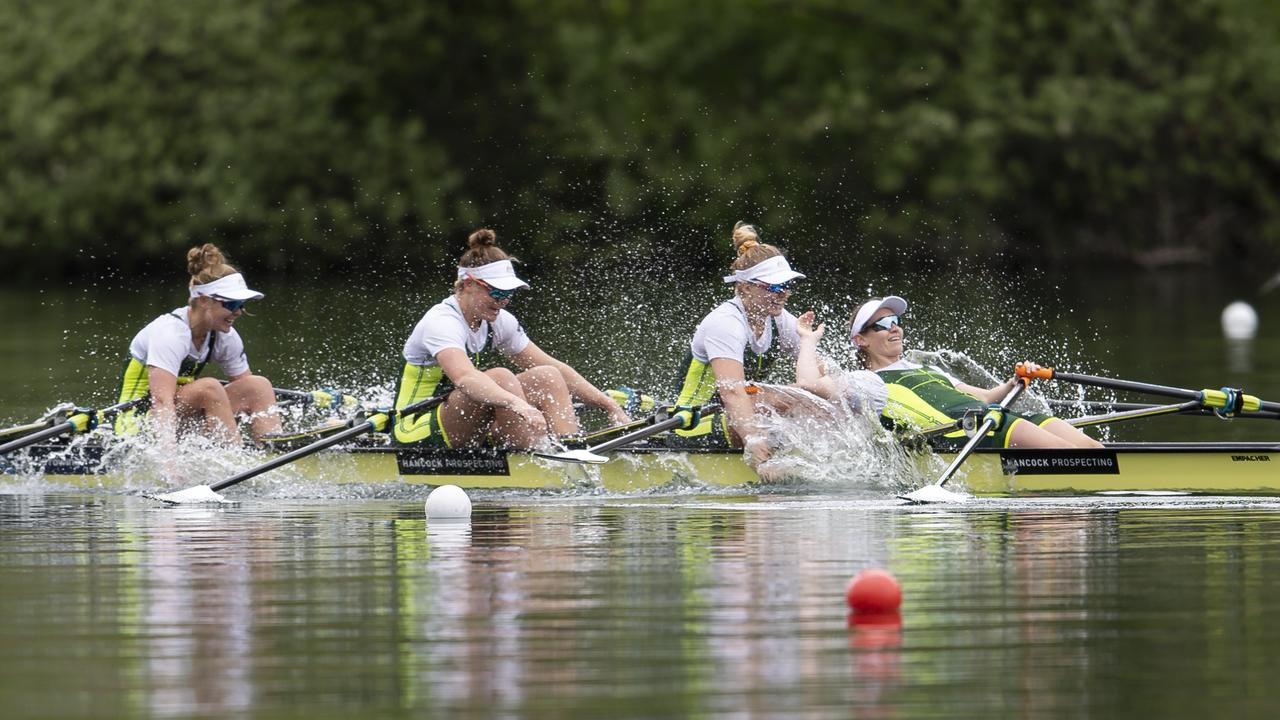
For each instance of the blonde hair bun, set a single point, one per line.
(745, 237)
(204, 257)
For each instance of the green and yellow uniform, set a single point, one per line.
(726, 333)
(442, 327)
(166, 343)
(921, 397)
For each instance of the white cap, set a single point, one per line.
(227, 287)
(770, 271)
(871, 307)
(501, 275)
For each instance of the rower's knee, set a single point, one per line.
(506, 380)
(203, 393)
(544, 379)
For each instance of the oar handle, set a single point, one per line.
(1026, 374)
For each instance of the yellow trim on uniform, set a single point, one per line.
(905, 407)
(699, 384)
(698, 389)
(419, 382)
(133, 385)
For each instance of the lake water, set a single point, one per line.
(675, 606)
(681, 603)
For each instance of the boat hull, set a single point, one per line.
(1202, 468)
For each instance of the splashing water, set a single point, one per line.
(834, 446)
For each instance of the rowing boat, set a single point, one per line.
(1193, 467)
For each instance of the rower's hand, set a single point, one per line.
(690, 416)
(618, 416)
(1029, 368)
(758, 451)
(532, 416)
(805, 328)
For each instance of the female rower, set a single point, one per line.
(920, 396)
(167, 356)
(513, 410)
(734, 345)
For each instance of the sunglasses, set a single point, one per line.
(494, 292)
(888, 322)
(232, 305)
(776, 288)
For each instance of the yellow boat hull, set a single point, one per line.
(1203, 468)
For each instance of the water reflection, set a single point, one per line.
(1239, 355)
(642, 607)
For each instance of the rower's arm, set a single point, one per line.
(739, 408)
(579, 387)
(809, 371)
(993, 395)
(475, 384)
(164, 415)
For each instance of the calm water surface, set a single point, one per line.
(673, 606)
(327, 604)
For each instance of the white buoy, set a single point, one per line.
(1239, 321)
(448, 501)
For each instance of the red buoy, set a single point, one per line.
(874, 591)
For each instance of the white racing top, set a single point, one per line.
(725, 333)
(166, 342)
(445, 327)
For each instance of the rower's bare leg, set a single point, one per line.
(465, 421)
(546, 390)
(255, 396)
(1028, 435)
(468, 422)
(1070, 434)
(206, 397)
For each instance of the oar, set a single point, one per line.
(24, 429)
(374, 423)
(1227, 401)
(1191, 406)
(51, 416)
(82, 420)
(993, 417)
(592, 454)
(325, 398)
(1126, 410)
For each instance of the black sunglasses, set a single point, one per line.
(232, 305)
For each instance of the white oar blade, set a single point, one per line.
(934, 494)
(576, 456)
(191, 496)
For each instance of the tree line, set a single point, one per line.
(315, 133)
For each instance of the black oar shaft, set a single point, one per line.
(366, 426)
(642, 433)
(1149, 388)
(59, 429)
(373, 423)
(1129, 385)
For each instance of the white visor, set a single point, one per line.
(870, 308)
(772, 271)
(228, 287)
(501, 275)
